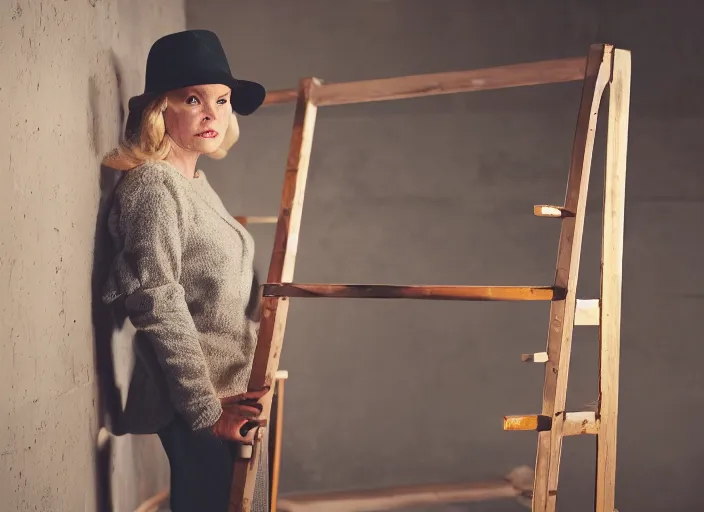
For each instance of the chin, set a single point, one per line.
(207, 146)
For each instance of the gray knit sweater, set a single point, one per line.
(183, 273)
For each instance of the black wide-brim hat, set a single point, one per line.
(194, 57)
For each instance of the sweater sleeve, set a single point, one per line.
(154, 230)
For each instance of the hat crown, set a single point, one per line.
(176, 59)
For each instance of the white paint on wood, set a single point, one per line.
(538, 357)
(587, 312)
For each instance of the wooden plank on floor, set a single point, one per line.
(515, 485)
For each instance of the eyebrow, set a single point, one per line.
(195, 92)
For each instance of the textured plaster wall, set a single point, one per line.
(65, 69)
(440, 190)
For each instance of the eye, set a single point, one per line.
(191, 99)
(222, 101)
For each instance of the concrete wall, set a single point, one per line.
(65, 68)
(440, 190)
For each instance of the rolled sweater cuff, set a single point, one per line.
(203, 414)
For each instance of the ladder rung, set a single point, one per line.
(538, 357)
(579, 423)
(576, 423)
(380, 291)
(544, 210)
(537, 422)
(587, 312)
(256, 220)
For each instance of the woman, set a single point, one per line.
(183, 271)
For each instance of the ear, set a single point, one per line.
(232, 135)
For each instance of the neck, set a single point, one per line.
(184, 161)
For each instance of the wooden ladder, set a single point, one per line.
(604, 66)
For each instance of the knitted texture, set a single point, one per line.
(183, 274)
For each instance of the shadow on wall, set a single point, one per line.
(105, 321)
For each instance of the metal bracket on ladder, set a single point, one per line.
(604, 66)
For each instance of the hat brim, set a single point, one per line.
(246, 96)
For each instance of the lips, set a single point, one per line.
(208, 134)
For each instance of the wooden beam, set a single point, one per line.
(573, 423)
(580, 423)
(154, 503)
(280, 96)
(275, 438)
(431, 84)
(274, 310)
(390, 499)
(559, 343)
(378, 291)
(244, 220)
(249, 219)
(537, 422)
(516, 75)
(611, 278)
(538, 357)
(514, 485)
(556, 212)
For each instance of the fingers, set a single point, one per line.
(255, 395)
(245, 411)
(249, 395)
(248, 438)
(248, 430)
(237, 428)
(251, 403)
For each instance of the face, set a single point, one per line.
(197, 117)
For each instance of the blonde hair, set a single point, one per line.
(148, 142)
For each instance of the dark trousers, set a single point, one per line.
(201, 468)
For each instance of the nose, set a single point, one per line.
(209, 113)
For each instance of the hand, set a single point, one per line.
(240, 416)
(233, 419)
